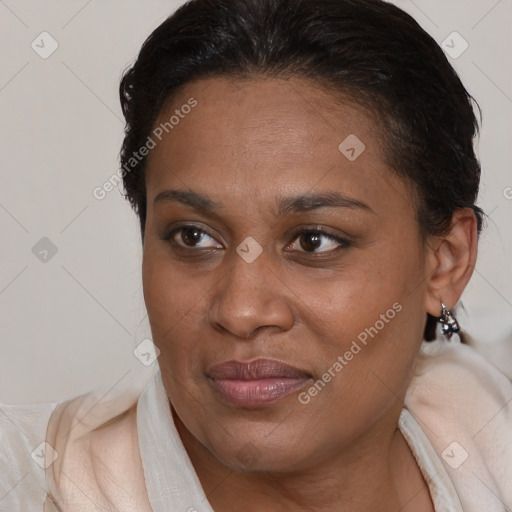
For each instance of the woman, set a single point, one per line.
(305, 180)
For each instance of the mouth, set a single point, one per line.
(257, 382)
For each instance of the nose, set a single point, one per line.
(251, 298)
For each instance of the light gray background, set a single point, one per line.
(71, 323)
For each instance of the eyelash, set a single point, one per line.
(343, 242)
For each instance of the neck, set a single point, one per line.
(377, 472)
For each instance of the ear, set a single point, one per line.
(451, 260)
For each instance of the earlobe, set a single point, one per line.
(453, 258)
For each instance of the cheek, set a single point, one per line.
(170, 295)
(371, 316)
(170, 301)
(173, 304)
(177, 306)
(365, 370)
(366, 287)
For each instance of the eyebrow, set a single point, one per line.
(310, 201)
(188, 198)
(286, 205)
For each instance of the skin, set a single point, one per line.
(246, 145)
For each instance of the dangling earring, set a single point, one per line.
(449, 324)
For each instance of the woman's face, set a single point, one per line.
(283, 270)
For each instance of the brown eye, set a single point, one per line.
(312, 240)
(193, 237)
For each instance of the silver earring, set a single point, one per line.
(449, 324)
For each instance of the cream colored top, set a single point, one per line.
(123, 453)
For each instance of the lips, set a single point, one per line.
(257, 382)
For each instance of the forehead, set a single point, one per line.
(266, 135)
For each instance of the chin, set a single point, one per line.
(259, 449)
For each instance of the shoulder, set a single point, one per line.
(464, 406)
(455, 377)
(24, 455)
(96, 438)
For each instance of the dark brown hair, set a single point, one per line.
(368, 50)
